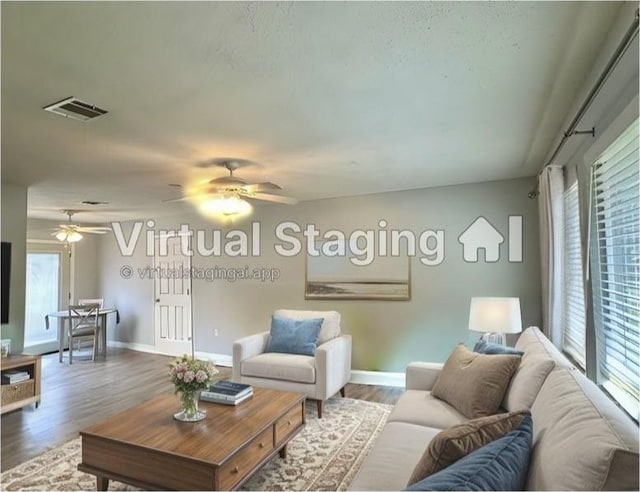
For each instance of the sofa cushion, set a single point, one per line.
(526, 382)
(484, 347)
(330, 328)
(533, 342)
(475, 384)
(458, 441)
(500, 465)
(421, 408)
(293, 336)
(582, 440)
(393, 458)
(287, 367)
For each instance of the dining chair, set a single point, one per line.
(83, 325)
(84, 302)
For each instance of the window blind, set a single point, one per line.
(615, 257)
(573, 310)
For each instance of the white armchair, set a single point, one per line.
(319, 377)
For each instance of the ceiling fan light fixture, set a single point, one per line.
(74, 237)
(228, 207)
(68, 236)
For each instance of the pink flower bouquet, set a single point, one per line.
(190, 375)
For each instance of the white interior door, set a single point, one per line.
(173, 330)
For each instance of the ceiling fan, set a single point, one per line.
(226, 195)
(71, 233)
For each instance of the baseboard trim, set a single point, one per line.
(378, 378)
(219, 359)
(138, 347)
(375, 378)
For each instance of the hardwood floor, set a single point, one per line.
(76, 396)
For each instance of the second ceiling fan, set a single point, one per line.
(71, 233)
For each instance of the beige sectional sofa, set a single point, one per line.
(581, 439)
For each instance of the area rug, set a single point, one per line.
(325, 455)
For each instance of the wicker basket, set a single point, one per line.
(18, 391)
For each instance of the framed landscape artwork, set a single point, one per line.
(337, 278)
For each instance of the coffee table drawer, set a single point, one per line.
(241, 463)
(289, 422)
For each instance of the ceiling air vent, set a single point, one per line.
(72, 107)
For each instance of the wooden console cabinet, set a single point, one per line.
(24, 393)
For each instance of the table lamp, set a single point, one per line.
(495, 316)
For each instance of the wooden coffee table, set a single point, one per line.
(145, 447)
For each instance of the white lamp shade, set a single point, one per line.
(495, 315)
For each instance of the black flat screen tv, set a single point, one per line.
(5, 274)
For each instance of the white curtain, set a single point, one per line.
(551, 214)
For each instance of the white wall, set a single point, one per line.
(386, 334)
(14, 223)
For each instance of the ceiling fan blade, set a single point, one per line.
(98, 229)
(178, 199)
(266, 186)
(92, 231)
(209, 194)
(268, 197)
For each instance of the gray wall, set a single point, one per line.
(387, 334)
(14, 230)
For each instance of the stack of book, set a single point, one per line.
(227, 393)
(13, 377)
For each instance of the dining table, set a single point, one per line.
(64, 318)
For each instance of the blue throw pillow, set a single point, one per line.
(500, 465)
(484, 347)
(294, 336)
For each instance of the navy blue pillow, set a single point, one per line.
(484, 347)
(294, 336)
(500, 465)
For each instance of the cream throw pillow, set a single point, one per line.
(475, 384)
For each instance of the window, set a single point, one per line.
(47, 289)
(42, 295)
(615, 260)
(573, 310)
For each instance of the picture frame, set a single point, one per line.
(5, 347)
(386, 278)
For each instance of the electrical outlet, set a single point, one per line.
(215, 332)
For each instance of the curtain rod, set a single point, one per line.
(622, 48)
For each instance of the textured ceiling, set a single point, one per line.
(332, 99)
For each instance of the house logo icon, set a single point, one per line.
(481, 235)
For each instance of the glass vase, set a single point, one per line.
(189, 407)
